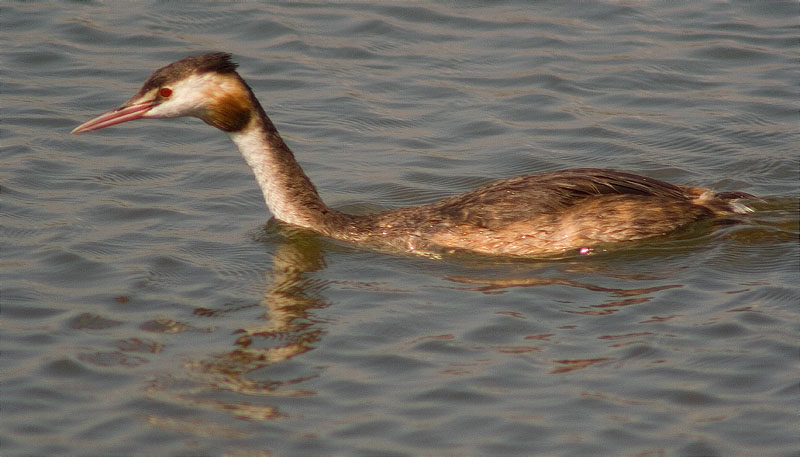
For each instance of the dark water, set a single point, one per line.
(149, 309)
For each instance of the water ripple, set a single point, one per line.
(147, 310)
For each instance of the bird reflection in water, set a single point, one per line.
(287, 329)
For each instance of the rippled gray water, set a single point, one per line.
(149, 309)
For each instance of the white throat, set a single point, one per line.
(276, 176)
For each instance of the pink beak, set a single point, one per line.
(116, 116)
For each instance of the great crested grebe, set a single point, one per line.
(534, 215)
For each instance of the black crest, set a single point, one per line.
(219, 62)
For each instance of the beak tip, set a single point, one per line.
(78, 130)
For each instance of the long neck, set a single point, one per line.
(289, 194)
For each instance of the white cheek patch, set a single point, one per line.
(189, 97)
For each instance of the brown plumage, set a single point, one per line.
(523, 216)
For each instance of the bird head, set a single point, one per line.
(206, 87)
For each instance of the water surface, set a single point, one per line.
(149, 308)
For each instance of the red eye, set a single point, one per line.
(165, 92)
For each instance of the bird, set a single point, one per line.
(537, 215)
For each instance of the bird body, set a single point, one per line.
(532, 215)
